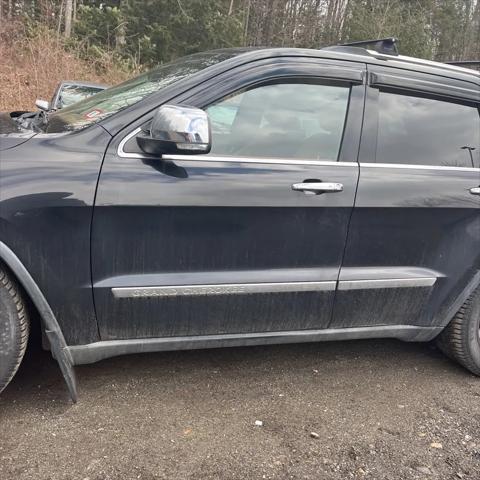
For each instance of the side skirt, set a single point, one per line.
(93, 352)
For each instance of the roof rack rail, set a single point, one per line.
(387, 46)
(465, 63)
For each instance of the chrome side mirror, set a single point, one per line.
(177, 129)
(42, 105)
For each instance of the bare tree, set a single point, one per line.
(68, 18)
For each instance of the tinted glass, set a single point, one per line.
(422, 131)
(289, 120)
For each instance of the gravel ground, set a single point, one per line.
(365, 409)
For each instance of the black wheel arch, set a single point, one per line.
(50, 324)
(452, 310)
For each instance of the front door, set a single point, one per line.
(228, 243)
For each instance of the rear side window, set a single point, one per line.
(423, 131)
(281, 120)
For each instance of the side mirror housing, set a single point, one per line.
(42, 104)
(177, 129)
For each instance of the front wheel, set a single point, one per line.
(14, 327)
(461, 338)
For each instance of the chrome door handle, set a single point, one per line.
(475, 191)
(314, 188)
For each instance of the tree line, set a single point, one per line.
(143, 33)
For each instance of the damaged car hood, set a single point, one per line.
(11, 134)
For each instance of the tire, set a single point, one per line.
(14, 327)
(461, 338)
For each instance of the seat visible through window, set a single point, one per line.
(281, 120)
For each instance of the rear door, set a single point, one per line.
(240, 240)
(413, 250)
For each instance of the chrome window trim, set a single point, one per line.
(221, 158)
(121, 152)
(418, 167)
(275, 161)
(280, 161)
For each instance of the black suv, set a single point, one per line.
(246, 197)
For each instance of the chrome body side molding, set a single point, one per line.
(268, 281)
(221, 289)
(246, 288)
(221, 277)
(94, 352)
(386, 283)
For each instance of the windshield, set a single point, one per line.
(112, 100)
(70, 94)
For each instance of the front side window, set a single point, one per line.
(423, 131)
(281, 120)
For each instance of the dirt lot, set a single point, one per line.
(380, 409)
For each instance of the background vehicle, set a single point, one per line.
(69, 92)
(245, 197)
